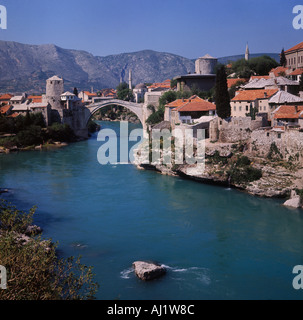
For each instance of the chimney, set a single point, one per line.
(265, 94)
(182, 99)
(296, 108)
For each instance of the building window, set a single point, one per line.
(279, 135)
(240, 108)
(235, 108)
(246, 108)
(267, 134)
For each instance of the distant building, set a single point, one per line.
(204, 77)
(294, 57)
(6, 110)
(139, 92)
(288, 115)
(188, 110)
(160, 86)
(280, 83)
(5, 98)
(17, 100)
(87, 96)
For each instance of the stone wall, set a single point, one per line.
(232, 131)
(289, 143)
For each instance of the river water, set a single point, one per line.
(216, 243)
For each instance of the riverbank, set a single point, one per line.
(231, 165)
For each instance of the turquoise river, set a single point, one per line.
(217, 243)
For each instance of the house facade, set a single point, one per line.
(188, 111)
(244, 100)
(294, 57)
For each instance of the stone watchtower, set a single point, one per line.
(54, 89)
(206, 65)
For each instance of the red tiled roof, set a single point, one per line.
(181, 102)
(6, 96)
(232, 82)
(260, 77)
(4, 109)
(289, 112)
(251, 95)
(297, 72)
(192, 104)
(35, 99)
(89, 94)
(165, 84)
(277, 71)
(14, 115)
(298, 46)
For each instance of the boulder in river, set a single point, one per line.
(148, 270)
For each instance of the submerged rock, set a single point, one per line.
(148, 270)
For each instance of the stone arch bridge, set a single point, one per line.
(82, 119)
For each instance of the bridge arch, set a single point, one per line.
(136, 108)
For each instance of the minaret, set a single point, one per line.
(247, 53)
(130, 80)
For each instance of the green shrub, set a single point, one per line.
(60, 132)
(34, 272)
(30, 136)
(246, 174)
(243, 161)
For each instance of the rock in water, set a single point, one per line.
(294, 201)
(148, 270)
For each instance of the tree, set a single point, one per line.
(301, 83)
(76, 91)
(221, 94)
(282, 58)
(124, 93)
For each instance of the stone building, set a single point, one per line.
(188, 110)
(294, 57)
(289, 116)
(139, 92)
(204, 77)
(246, 99)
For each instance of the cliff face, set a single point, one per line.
(26, 67)
(227, 165)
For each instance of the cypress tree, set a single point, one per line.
(301, 83)
(282, 58)
(75, 92)
(221, 94)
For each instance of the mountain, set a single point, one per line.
(26, 67)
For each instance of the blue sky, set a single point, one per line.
(190, 28)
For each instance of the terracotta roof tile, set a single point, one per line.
(36, 99)
(288, 112)
(251, 95)
(6, 96)
(260, 77)
(298, 46)
(297, 72)
(4, 109)
(278, 70)
(231, 82)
